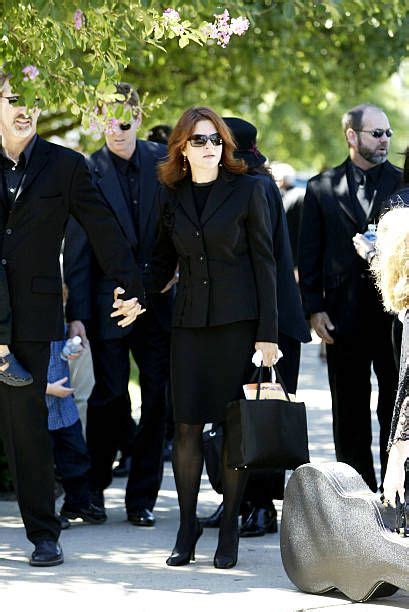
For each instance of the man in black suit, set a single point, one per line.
(40, 185)
(125, 173)
(338, 291)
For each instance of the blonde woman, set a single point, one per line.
(391, 269)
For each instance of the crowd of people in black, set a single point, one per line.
(177, 252)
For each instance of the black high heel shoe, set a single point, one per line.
(183, 558)
(227, 558)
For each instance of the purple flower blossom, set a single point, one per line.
(223, 28)
(111, 125)
(239, 25)
(31, 72)
(210, 30)
(171, 15)
(79, 19)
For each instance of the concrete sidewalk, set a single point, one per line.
(116, 565)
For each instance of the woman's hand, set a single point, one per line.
(270, 352)
(394, 481)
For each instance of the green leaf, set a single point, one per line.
(183, 41)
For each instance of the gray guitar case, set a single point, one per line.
(336, 534)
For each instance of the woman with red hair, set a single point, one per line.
(215, 224)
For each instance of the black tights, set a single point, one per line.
(187, 463)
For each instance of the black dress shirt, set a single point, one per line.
(128, 175)
(366, 185)
(13, 173)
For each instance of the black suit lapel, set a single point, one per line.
(345, 195)
(38, 160)
(3, 202)
(185, 197)
(147, 185)
(220, 191)
(110, 187)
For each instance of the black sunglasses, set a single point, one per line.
(378, 132)
(200, 140)
(124, 126)
(12, 99)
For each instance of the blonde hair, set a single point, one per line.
(391, 264)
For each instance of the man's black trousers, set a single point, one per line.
(148, 343)
(5, 309)
(349, 370)
(24, 429)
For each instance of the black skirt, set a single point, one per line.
(209, 366)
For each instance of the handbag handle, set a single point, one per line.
(278, 377)
(401, 518)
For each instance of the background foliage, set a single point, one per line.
(294, 73)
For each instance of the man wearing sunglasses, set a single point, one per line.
(124, 171)
(338, 292)
(40, 185)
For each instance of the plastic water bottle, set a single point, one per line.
(370, 233)
(71, 347)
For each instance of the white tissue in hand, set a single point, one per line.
(258, 357)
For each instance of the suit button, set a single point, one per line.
(205, 282)
(202, 258)
(4, 261)
(9, 231)
(197, 234)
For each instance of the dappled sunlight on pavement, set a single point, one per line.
(118, 566)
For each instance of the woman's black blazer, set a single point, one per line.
(226, 264)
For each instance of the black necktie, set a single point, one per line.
(363, 194)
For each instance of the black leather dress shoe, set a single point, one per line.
(15, 375)
(92, 514)
(214, 519)
(260, 522)
(142, 518)
(123, 467)
(46, 554)
(97, 500)
(65, 523)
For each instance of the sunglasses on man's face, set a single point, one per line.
(200, 140)
(11, 99)
(124, 127)
(378, 132)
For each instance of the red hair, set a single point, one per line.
(171, 171)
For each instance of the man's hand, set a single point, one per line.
(57, 388)
(363, 246)
(321, 323)
(270, 352)
(77, 328)
(129, 309)
(172, 282)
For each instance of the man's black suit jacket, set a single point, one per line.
(331, 272)
(57, 183)
(291, 318)
(226, 262)
(90, 290)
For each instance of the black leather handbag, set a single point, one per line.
(266, 433)
(212, 451)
